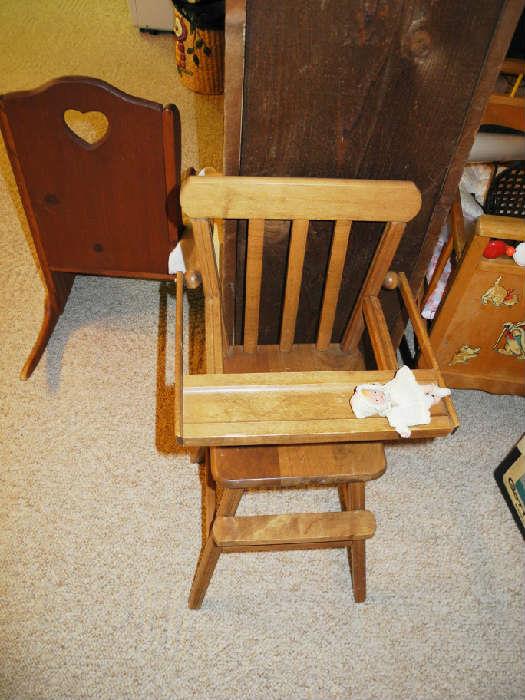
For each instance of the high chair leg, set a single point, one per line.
(352, 497)
(210, 555)
(210, 496)
(203, 574)
(356, 491)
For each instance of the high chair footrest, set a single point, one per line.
(295, 528)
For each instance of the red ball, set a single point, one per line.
(494, 249)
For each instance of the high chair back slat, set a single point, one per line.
(381, 263)
(253, 283)
(332, 286)
(216, 337)
(206, 258)
(294, 278)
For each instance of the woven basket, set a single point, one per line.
(200, 56)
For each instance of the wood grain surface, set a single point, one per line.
(358, 90)
(230, 197)
(293, 465)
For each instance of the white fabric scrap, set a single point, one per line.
(519, 255)
(176, 260)
(402, 401)
(473, 188)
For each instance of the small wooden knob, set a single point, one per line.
(391, 280)
(193, 279)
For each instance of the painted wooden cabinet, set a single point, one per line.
(479, 333)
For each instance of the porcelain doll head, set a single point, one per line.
(374, 396)
(370, 400)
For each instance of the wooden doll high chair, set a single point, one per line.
(279, 415)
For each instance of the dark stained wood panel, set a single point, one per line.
(384, 89)
(99, 208)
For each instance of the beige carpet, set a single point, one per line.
(100, 522)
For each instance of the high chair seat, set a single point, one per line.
(290, 465)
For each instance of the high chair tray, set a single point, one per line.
(292, 408)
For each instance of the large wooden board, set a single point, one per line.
(391, 89)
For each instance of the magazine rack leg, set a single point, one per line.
(48, 323)
(58, 288)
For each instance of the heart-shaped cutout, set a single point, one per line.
(89, 128)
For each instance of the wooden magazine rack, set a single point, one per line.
(98, 173)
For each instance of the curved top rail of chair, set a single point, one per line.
(78, 83)
(229, 197)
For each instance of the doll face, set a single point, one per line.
(374, 396)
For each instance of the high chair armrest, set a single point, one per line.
(506, 227)
(427, 357)
(384, 351)
(179, 361)
(192, 276)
